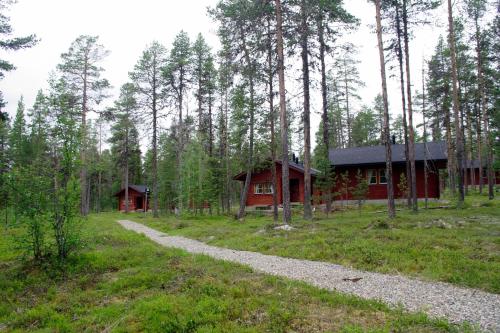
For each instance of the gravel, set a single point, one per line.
(434, 298)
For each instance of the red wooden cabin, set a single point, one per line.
(261, 190)
(370, 162)
(472, 174)
(138, 198)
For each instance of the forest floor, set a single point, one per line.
(459, 246)
(121, 281)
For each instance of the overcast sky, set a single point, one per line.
(125, 27)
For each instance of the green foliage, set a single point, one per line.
(124, 139)
(366, 128)
(80, 68)
(403, 185)
(29, 199)
(343, 183)
(360, 191)
(7, 42)
(325, 180)
(65, 196)
(18, 137)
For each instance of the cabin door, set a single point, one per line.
(138, 203)
(294, 190)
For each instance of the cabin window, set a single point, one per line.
(371, 176)
(382, 179)
(263, 188)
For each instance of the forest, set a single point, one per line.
(209, 114)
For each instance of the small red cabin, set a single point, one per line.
(261, 190)
(138, 198)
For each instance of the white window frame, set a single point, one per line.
(370, 175)
(380, 171)
(263, 188)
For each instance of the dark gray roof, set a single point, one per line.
(139, 188)
(376, 154)
(299, 167)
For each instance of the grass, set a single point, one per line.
(459, 246)
(122, 282)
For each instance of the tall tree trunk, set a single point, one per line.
(154, 163)
(127, 171)
(484, 110)
(210, 127)
(462, 126)
(180, 149)
(451, 166)
(411, 139)
(388, 152)
(326, 123)
(479, 149)
(307, 110)
(83, 152)
(287, 215)
(470, 158)
(403, 104)
(456, 106)
(226, 152)
(271, 117)
(251, 73)
(426, 168)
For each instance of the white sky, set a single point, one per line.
(125, 27)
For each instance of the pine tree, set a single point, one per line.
(151, 97)
(239, 22)
(456, 105)
(287, 216)
(80, 68)
(476, 10)
(387, 141)
(8, 43)
(124, 138)
(178, 74)
(18, 137)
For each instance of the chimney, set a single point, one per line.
(293, 157)
(393, 139)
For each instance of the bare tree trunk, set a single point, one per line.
(326, 137)
(226, 152)
(83, 152)
(403, 104)
(271, 117)
(456, 107)
(470, 156)
(411, 143)
(479, 150)
(487, 139)
(426, 170)
(180, 149)
(154, 163)
(246, 187)
(307, 111)
(388, 152)
(287, 215)
(126, 171)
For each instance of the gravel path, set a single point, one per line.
(435, 298)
